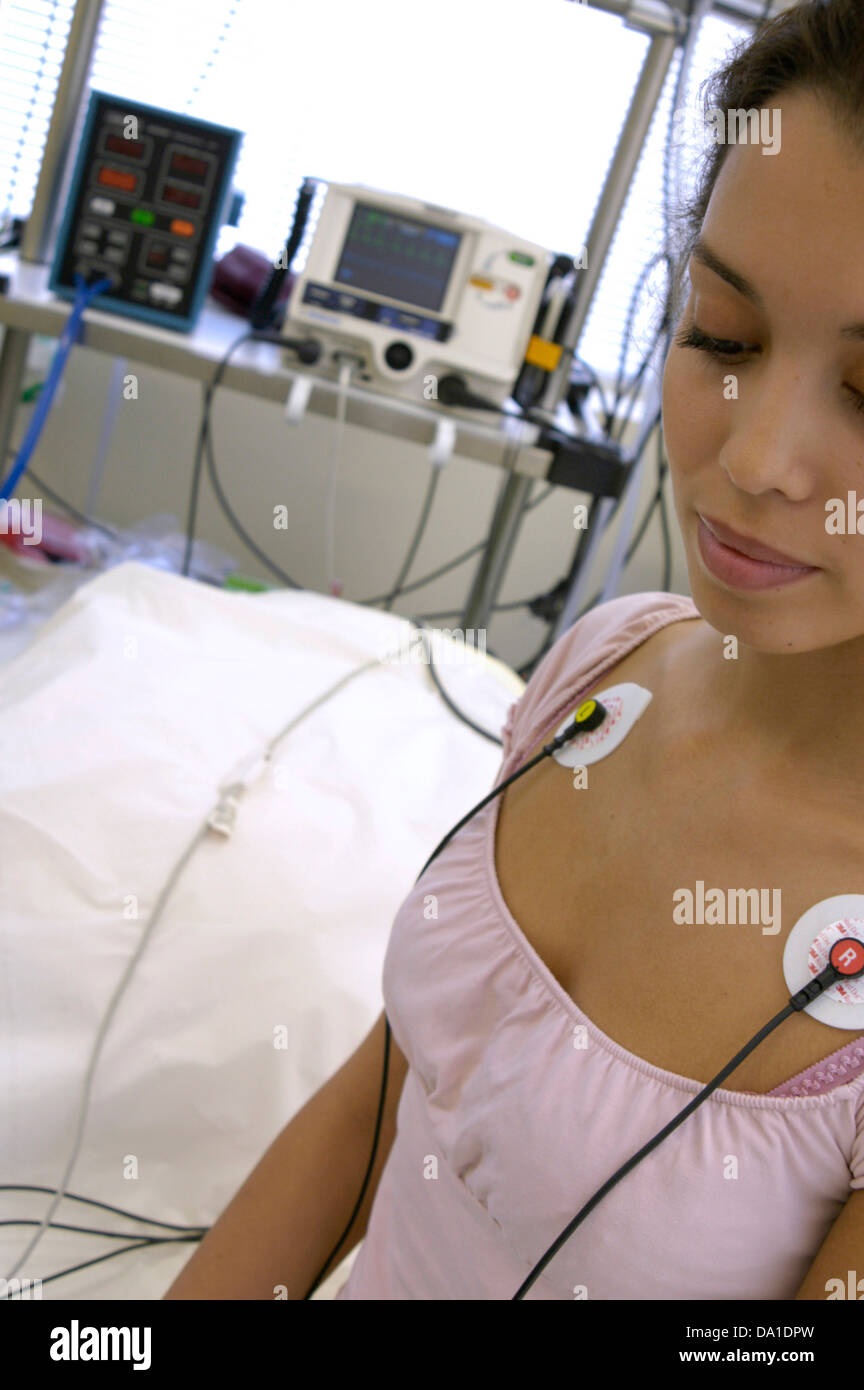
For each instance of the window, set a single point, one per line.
(508, 109)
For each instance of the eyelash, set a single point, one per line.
(722, 348)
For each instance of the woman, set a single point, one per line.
(550, 1012)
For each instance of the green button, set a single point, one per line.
(142, 215)
(520, 258)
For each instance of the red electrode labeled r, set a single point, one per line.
(847, 956)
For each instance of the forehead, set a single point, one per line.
(793, 221)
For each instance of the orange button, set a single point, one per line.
(181, 228)
(117, 178)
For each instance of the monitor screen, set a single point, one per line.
(397, 256)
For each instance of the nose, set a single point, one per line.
(774, 441)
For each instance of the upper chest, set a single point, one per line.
(594, 877)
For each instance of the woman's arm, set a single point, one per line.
(282, 1224)
(841, 1251)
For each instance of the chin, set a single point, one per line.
(768, 620)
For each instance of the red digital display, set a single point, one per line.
(184, 196)
(133, 148)
(188, 167)
(117, 178)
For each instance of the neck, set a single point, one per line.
(803, 713)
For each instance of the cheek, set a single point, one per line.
(693, 413)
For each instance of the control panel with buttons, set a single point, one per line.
(149, 193)
(416, 292)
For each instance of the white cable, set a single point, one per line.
(573, 602)
(114, 396)
(331, 583)
(221, 820)
(652, 406)
(628, 515)
(100, 1037)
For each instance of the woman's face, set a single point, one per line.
(762, 438)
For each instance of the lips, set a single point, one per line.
(753, 549)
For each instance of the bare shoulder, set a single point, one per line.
(670, 663)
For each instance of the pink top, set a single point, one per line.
(506, 1127)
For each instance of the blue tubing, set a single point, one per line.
(85, 293)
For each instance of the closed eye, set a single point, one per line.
(723, 349)
(715, 347)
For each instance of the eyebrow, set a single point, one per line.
(703, 253)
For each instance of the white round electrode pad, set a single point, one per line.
(625, 703)
(806, 953)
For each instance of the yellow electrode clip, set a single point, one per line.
(541, 353)
(589, 715)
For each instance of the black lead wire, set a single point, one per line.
(646, 1149)
(381, 1101)
(590, 714)
(594, 717)
(824, 980)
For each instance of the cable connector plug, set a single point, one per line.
(223, 817)
(845, 962)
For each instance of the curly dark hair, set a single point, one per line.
(817, 46)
